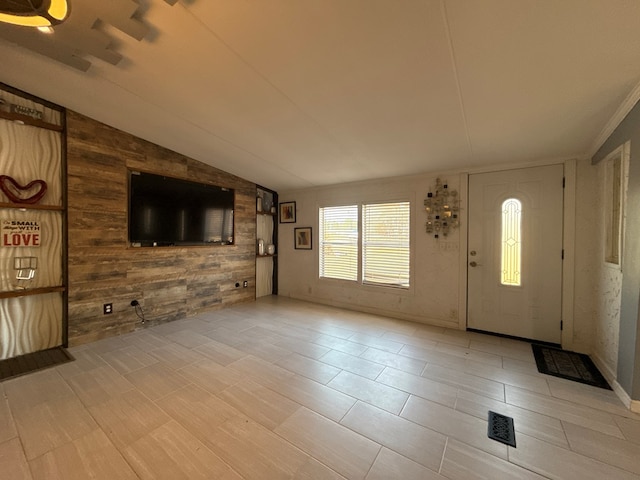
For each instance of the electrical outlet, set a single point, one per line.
(245, 284)
(107, 308)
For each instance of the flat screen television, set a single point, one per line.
(165, 211)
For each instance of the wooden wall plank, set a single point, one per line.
(169, 282)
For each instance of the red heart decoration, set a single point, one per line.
(16, 193)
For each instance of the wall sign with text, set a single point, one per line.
(20, 233)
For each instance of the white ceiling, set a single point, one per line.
(296, 93)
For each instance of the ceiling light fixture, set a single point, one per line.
(34, 13)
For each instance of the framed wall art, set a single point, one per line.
(288, 212)
(302, 238)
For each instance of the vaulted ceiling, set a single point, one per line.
(297, 93)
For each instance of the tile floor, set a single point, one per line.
(284, 389)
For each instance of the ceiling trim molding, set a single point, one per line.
(623, 110)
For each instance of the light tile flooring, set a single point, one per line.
(286, 389)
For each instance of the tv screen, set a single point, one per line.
(165, 211)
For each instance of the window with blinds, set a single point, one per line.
(385, 243)
(338, 233)
(383, 237)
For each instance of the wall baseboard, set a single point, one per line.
(623, 395)
(377, 311)
(604, 368)
(609, 374)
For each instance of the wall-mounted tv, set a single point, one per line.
(165, 211)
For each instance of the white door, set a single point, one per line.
(515, 252)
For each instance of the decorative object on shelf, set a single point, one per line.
(39, 14)
(267, 201)
(26, 111)
(20, 110)
(258, 203)
(288, 212)
(302, 238)
(260, 246)
(442, 206)
(20, 233)
(271, 249)
(29, 194)
(25, 267)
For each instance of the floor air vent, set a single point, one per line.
(501, 429)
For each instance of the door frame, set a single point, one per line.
(568, 244)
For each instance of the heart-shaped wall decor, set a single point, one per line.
(29, 194)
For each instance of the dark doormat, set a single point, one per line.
(570, 365)
(32, 362)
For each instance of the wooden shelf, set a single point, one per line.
(29, 206)
(30, 291)
(267, 229)
(27, 120)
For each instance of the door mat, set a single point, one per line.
(32, 362)
(570, 365)
(501, 429)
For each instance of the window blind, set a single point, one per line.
(338, 233)
(386, 243)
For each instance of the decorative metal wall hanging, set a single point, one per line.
(442, 206)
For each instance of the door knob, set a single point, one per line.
(474, 264)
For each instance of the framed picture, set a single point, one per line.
(288, 212)
(302, 238)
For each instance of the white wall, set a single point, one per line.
(434, 296)
(598, 283)
(438, 292)
(587, 258)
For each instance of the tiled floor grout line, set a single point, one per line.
(444, 453)
(132, 361)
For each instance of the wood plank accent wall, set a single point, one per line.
(169, 282)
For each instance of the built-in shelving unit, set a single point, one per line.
(26, 206)
(27, 120)
(33, 275)
(267, 232)
(31, 291)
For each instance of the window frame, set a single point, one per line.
(321, 242)
(366, 234)
(508, 226)
(614, 215)
(359, 259)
